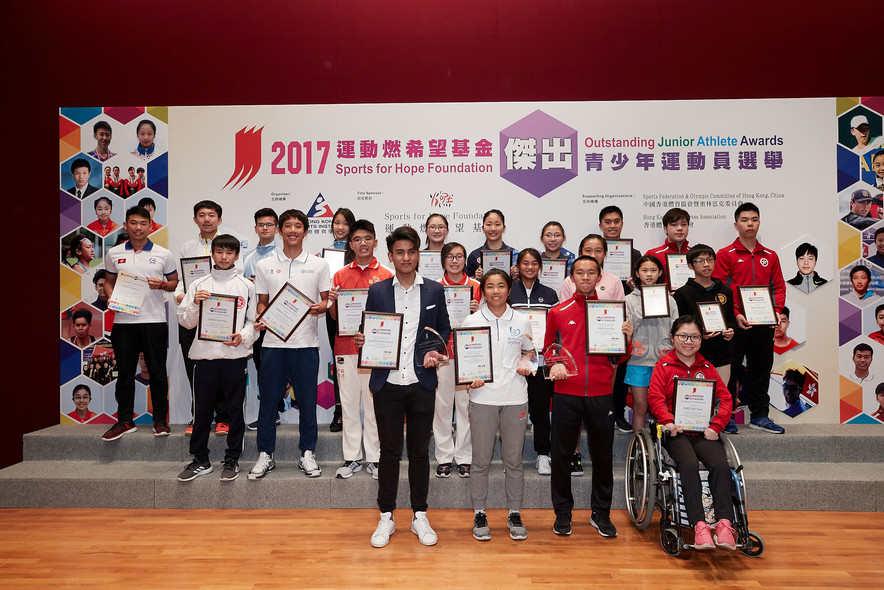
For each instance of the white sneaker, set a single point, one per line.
(347, 470)
(265, 463)
(372, 469)
(420, 526)
(307, 464)
(543, 465)
(386, 527)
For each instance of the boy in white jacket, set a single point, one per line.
(219, 365)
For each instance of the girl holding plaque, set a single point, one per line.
(686, 449)
(436, 228)
(493, 226)
(650, 340)
(450, 397)
(500, 405)
(528, 292)
(552, 236)
(341, 224)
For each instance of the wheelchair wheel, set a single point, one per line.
(670, 542)
(754, 545)
(640, 479)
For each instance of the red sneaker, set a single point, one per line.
(189, 430)
(161, 428)
(222, 428)
(703, 537)
(118, 430)
(724, 535)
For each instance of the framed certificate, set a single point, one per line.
(217, 321)
(128, 295)
(430, 266)
(350, 304)
(678, 271)
(618, 260)
(383, 339)
(457, 300)
(335, 259)
(692, 404)
(194, 268)
(757, 304)
(472, 355)
(502, 259)
(285, 312)
(553, 272)
(711, 316)
(537, 318)
(604, 327)
(655, 301)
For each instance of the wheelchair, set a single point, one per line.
(652, 480)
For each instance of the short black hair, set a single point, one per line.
(80, 386)
(448, 247)
(495, 272)
(226, 242)
(145, 201)
(747, 206)
(81, 163)
(684, 320)
(139, 169)
(589, 237)
(608, 210)
(642, 260)
(293, 213)
(549, 223)
(497, 212)
(403, 232)
(100, 199)
(102, 125)
(698, 250)
(862, 347)
(82, 313)
(266, 212)
(676, 214)
(138, 211)
(99, 274)
(207, 204)
(361, 225)
(582, 258)
(808, 248)
(878, 153)
(532, 252)
(785, 311)
(146, 122)
(794, 375)
(879, 309)
(861, 268)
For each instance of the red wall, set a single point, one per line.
(94, 53)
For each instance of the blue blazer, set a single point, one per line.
(434, 314)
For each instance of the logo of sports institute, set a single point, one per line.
(538, 153)
(320, 208)
(247, 157)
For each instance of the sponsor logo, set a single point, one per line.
(321, 216)
(247, 157)
(572, 323)
(441, 199)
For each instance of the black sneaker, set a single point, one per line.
(230, 471)
(622, 425)
(337, 424)
(602, 521)
(563, 524)
(463, 470)
(576, 465)
(194, 469)
(481, 530)
(254, 425)
(443, 470)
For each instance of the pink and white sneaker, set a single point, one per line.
(724, 535)
(703, 537)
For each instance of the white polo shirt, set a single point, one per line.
(152, 261)
(510, 335)
(309, 275)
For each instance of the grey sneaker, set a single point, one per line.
(230, 471)
(347, 470)
(264, 465)
(194, 469)
(307, 463)
(481, 530)
(518, 532)
(372, 469)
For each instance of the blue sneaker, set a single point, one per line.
(767, 425)
(731, 427)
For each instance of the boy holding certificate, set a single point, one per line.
(746, 262)
(220, 354)
(363, 272)
(294, 357)
(676, 224)
(584, 397)
(143, 328)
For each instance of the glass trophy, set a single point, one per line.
(556, 353)
(429, 340)
(532, 363)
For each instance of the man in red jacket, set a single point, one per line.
(746, 262)
(585, 396)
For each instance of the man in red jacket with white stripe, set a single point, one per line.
(587, 397)
(746, 262)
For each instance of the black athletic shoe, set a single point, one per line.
(576, 465)
(563, 524)
(623, 426)
(602, 521)
(254, 425)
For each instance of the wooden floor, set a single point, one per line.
(226, 549)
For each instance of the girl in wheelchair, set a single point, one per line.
(687, 449)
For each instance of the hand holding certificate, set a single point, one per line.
(285, 312)
(502, 259)
(351, 304)
(217, 321)
(472, 355)
(692, 404)
(655, 301)
(604, 327)
(128, 294)
(382, 334)
(757, 304)
(712, 316)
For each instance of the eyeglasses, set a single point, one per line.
(688, 337)
(454, 257)
(266, 225)
(703, 260)
(436, 227)
(365, 240)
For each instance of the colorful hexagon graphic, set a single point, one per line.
(791, 330)
(103, 213)
(82, 402)
(325, 395)
(850, 323)
(859, 129)
(861, 284)
(82, 251)
(814, 263)
(70, 366)
(872, 169)
(794, 388)
(538, 153)
(99, 363)
(82, 325)
(80, 175)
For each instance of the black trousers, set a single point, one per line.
(152, 340)
(394, 406)
(228, 378)
(568, 412)
(756, 344)
(686, 450)
(620, 391)
(540, 392)
(185, 341)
